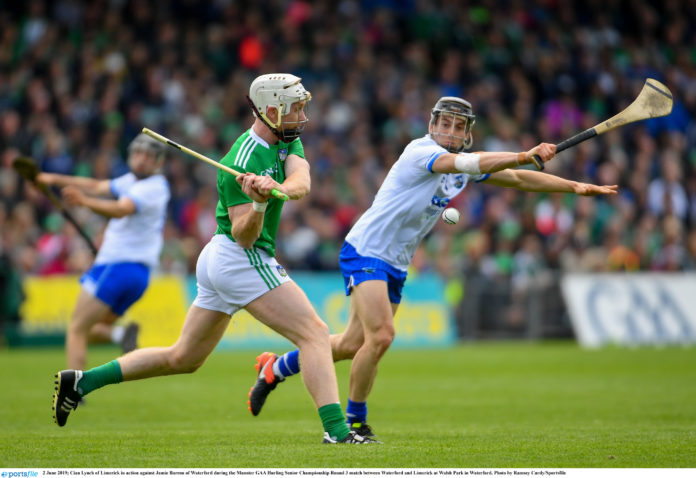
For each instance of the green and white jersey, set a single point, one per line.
(250, 153)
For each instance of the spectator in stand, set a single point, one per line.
(93, 73)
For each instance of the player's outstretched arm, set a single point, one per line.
(111, 208)
(94, 187)
(490, 162)
(535, 181)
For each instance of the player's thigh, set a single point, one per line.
(353, 333)
(90, 310)
(118, 285)
(370, 306)
(230, 277)
(287, 310)
(202, 330)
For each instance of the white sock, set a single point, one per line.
(117, 333)
(276, 369)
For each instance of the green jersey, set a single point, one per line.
(252, 154)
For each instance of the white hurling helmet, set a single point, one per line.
(458, 108)
(279, 90)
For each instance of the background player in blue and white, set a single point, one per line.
(136, 204)
(379, 248)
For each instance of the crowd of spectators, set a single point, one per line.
(79, 79)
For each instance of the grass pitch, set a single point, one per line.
(502, 405)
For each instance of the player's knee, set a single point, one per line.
(77, 326)
(351, 348)
(382, 338)
(315, 331)
(185, 365)
(344, 348)
(183, 362)
(321, 328)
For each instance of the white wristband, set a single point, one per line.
(259, 206)
(467, 163)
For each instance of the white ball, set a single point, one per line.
(450, 216)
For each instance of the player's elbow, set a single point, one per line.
(300, 190)
(514, 180)
(118, 213)
(245, 241)
(245, 244)
(304, 191)
(298, 184)
(123, 208)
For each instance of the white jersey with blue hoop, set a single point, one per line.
(407, 205)
(138, 236)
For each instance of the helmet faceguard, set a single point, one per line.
(280, 91)
(456, 109)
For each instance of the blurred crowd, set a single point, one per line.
(78, 80)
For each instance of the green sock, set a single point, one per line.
(333, 420)
(99, 376)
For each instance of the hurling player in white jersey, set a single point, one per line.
(136, 204)
(379, 248)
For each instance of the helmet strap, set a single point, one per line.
(263, 119)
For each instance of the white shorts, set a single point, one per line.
(229, 277)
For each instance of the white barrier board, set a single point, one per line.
(631, 309)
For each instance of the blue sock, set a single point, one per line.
(287, 364)
(356, 412)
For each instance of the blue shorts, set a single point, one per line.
(356, 269)
(118, 285)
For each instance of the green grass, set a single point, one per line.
(506, 405)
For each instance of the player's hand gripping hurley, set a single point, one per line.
(653, 101)
(195, 154)
(29, 171)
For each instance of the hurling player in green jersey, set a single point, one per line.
(252, 154)
(237, 268)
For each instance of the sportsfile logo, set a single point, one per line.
(19, 474)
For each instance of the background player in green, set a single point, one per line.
(237, 268)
